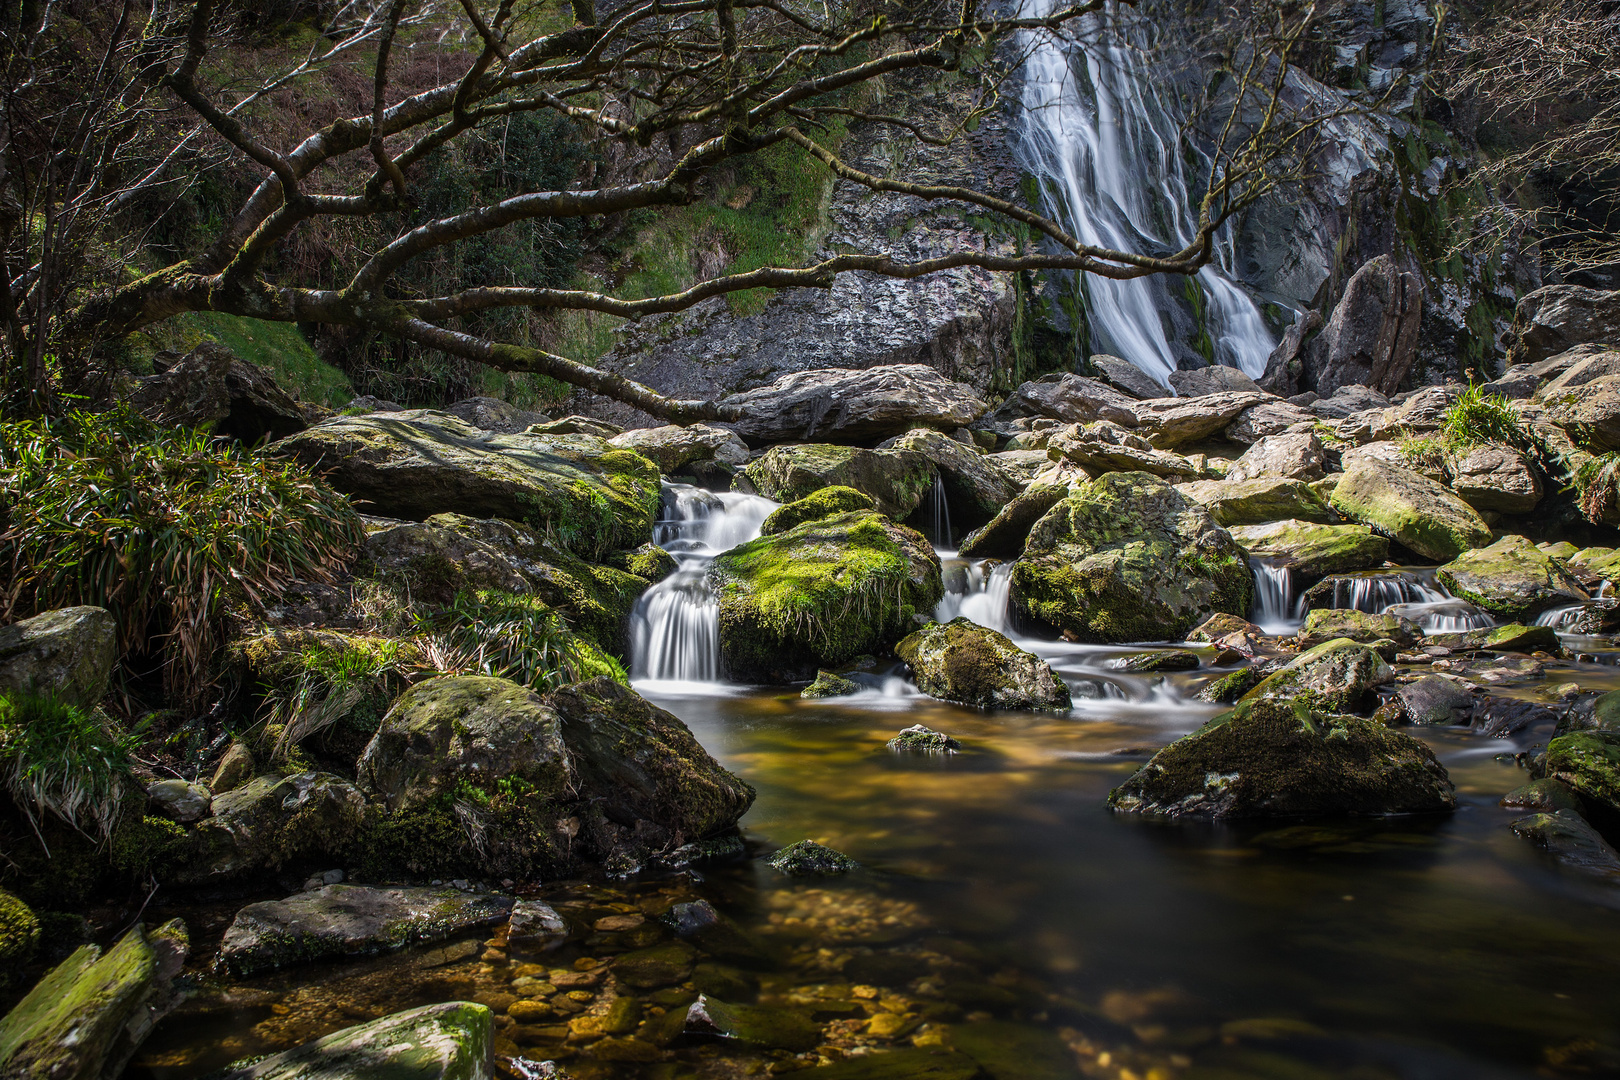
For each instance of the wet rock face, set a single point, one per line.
(1126, 557)
(963, 662)
(1279, 759)
(1312, 551)
(1588, 762)
(454, 1040)
(806, 858)
(67, 654)
(1566, 836)
(1371, 339)
(1557, 317)
(211, 388)
(820, 594)
(350, 920)
(895, 480)
(1434, 700)
(860, 407)
(1511, 579)
(1414, 510)
(592, 497)
(1339, 675)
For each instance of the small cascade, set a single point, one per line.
(1565, 619)
(1278, 607)
(939, 516)
(675, 628)
(980, 593)
(1416, 596)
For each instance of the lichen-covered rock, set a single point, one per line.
(824, 503)
(19, 935)
(1292, 455)
(853, 406)
(1067, 398)
(576, 424)
(1567, 837)
(1314, 551)
(487, 414)
(236, 768)
(1493, 477)
(974, 487)
(85, 1019)
(590, 497)
(351, 920)
(1434, 700)
(180, 800)
(1255, 502)
(1412, 509)
(1590, 412)
(967, 663)
(919, 739)
(1336, 676)
(673, 447)
(820, 594)
(1127, 557)
(896, 480)
(1171, 422)
(1513, 637)
(1101, 447)
(270, 822)
(1269, 759)
(67, 654)
(1511, 579)
(1589, 763)
(827, 684)
(465, 729)
(1003, 536)
(1325, 624)
(453, 1040)
(806, 858)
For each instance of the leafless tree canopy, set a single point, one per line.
(704, 82)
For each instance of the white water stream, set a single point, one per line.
(1102, 134)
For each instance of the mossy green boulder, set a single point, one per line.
(824, 503)
(970, 664)
(1589, 763)
(1257, 501)
(67, 654)
(1337, 676)
(270, 822)
(828, 684)
(1003, 536)
(1313, 551)
(1282, 759)
(1416, 512)
(820, 594)
(588, 496)
(975, 488)
(1127, 557)
(1325, 624)
(806, 858)
(453, 1040)
(19, 935)
(1513, 637)
(895, 480)
(1512, 579)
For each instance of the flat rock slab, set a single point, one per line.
(454, 1040)
(351, 920)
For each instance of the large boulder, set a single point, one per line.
(66, 654)
(591, 497)
(351, 920)
(1327, 624)
(273, 822)
(1266, 419)
(1336, 676)
(1171, 422)
(1279, 759)
(1127, 557)
(453, 1040)
(1102, 446)
(1371, 339)
(1556, 317)
(975, 489)
(1590, 412)
(1512, 579)
(1347, 401)
(1575, 367)
(847, 406)
(463, 730)
(212, 388)
(1125, 376)
(824, 502)
(1510, 638)
(1294, 455)
(1589, 763)
(967, 663)
(1214, 379)
(489, 414)
(1494, 477)
(820, 594)
(1004, 535)
(1254, 502)
(1314, 551)
(896, 480)
(87, 1017)
(1067, 398)
(1412, 509)
(672, 447)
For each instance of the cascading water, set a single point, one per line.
(1102, 133)
(1277, 607)
(980, 593)
(675, 628)
(1423, 600)
(939, 516)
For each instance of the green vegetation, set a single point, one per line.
(164, 528)
(278, 348)
(62, 761)
(515, 637)
(1597, 486)
(355, 680)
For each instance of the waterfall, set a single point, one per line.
(939, 516)
(1425, 602)
(1102, 134)
(980, 593)
(1277, 608)
(675, 627)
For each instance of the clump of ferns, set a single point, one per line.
(1597, 486)
(61, 761)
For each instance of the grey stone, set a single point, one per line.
(1171, 422)
(1557, 317)
(536, 925)
(1434, 700)
(848, 406)
(896, 480)
(1213, 379)
(179, 800)
(493, 414)
(970, 664)
(1068, 399)
(1267, 418)
(1125, 376)
(1004, 535)
(1371, 338)
(67, 654)
(1574, 367)
(212, 388)
(672, 447)
(1101, 446)
(273, 821)
(975, 488)
(1494, 477)
(453, 1040)
(1347, 401)
(1590, 412)
(1295, 455)
(575, 425)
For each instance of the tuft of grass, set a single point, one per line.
(331, 681)
(165, 528)
(60, 760)
(1478, 418)
(506, 635)
(1424, 452)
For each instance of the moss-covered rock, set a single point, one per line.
(918, 739)
(1512, 579)
(1228, 688)
(1567, 837)
(673, 447)
(1314, 551)
(1546, 794)
(896, 480)
(806, 858)
(1004, 535)
(649, 562)
(820, 594)
(590, 497)
(66, 654)
(1410, 508)
(1257, 501)
(824, 503)
(1268, 759)
(86, 1017)
(828, 684)
(1127, 557)
(453, 1040)
(1513, 637)
(268, 823)
(1336, 676)
(975, 489)
(1325, 624)
(19, 936)
(1589, 763)
(970, 664)
(778, 1029)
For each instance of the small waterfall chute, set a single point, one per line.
(939, 516)
(1278, 605)
(980, 593)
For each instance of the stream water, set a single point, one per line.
(1002, 909)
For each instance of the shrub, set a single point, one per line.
(162, 527)
(59, 759)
